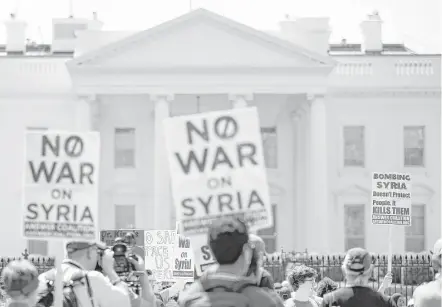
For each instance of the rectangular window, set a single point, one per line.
(124, 216)
(269, 234)
(354, 146)
(38, 247)
(354, 223)
(415, 234)
(124, 148)
(270, 146)
(414, 146)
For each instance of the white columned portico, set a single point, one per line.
(240, 100)
(163, 204)
(319, 199)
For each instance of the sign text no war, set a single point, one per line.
(217, 168)
(60, 188)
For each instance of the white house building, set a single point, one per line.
(330, 113)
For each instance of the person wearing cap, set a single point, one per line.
(107, 288)
(429, 294)
(21, 283)
(229, 240)
(263, 278)
(357, 269)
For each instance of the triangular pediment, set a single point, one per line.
(201, 39)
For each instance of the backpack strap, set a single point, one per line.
(259, 276)
(228, 284)
(89, 289)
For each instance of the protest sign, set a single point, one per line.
(184, 265)
(391, 199)
(60, 194)
(202, 253)
(159, 246)
(391, 203)
(217, 169)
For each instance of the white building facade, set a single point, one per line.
(330, 115)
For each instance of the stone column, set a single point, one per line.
(162, 189)
(319, 199)
(240, 100)
(88, 110)
(304, 212)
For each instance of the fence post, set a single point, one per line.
(25, 254)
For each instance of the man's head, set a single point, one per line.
(229, 242)
(87, 254)
(436, 255)
(20, 279)
(302, 278)
(357, 266)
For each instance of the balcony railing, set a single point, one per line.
(387, 71)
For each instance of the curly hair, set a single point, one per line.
(325, 286)
(299, 274)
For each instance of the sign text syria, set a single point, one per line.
(391, 199)
(217, 169)
(60, 194)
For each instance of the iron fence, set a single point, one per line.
(409, 271)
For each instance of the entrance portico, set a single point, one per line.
(206, 55)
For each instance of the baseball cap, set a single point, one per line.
(227, 237)
(358, 260)
(20, 278)
(74, 246)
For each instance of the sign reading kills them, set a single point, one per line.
(217, 168)
(391, 199)
(60, 194)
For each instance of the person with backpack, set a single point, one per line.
(228, 285)
(21, 283)
(83, 286)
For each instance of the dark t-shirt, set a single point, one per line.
(356, 297)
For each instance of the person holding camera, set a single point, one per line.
(102, 285)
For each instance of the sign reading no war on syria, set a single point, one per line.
(217, 168)
(60, 193)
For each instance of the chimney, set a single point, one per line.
(312, 33)
(15, 35)
(372, 33)
(64, 32)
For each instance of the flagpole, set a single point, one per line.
(190, 5)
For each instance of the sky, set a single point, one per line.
(417, 23)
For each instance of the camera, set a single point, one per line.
(122, 264)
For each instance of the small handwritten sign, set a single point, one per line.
(159, 253)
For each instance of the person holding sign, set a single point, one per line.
(357, 269)
(430, 294)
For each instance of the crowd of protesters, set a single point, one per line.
(238, 279)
